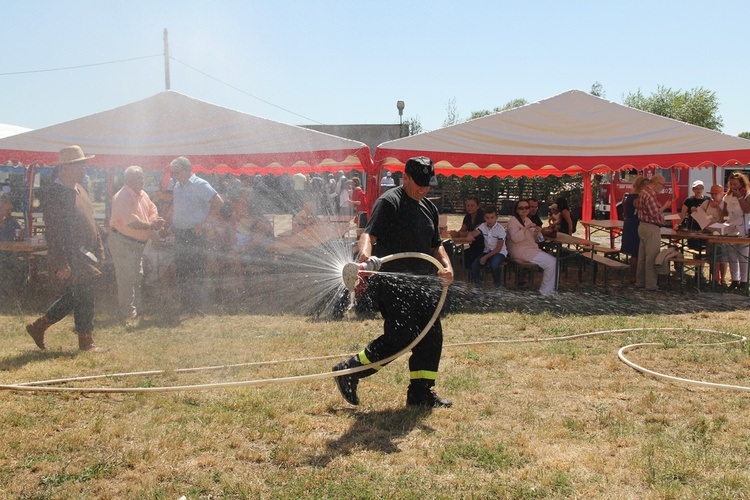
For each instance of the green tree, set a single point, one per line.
(598, 90)
(453, 116)
(698, 106)
(412, 126)
(513, 103)
(744, 135)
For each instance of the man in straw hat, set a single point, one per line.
(75, 250)
(651, 216)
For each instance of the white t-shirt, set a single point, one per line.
(344, 201)
(492, 235)
(738, 221)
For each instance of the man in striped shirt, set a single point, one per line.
(134, 216)
(651, 215)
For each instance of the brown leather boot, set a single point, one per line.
(86, 343)
(37, 329)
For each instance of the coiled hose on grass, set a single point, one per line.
(349, 274)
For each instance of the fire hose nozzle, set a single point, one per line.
(351, 272)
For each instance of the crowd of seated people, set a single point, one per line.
(518, 242)
(239, 245)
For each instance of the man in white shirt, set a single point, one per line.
(196, 206)
(387, 180)
(495, 252)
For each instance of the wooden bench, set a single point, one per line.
(612, 253)
(609, 265)
(690, 263)
(523, 267)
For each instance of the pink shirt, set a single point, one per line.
(522, 245)
(128, 207)
(358, 194)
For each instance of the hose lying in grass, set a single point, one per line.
(350, 275)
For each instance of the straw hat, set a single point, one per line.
(71, 154)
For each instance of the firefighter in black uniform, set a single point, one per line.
(403, 220)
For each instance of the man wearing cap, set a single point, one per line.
(689, 206)
(133, 218)
(403, 220)
(75, 250)
(387, 179)
(196, 203)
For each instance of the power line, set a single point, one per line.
(78, 67)
(174, 59)
(246, 93)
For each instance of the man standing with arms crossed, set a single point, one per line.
(134, 216)
(75, 250)
(403, 220)
(195, 204)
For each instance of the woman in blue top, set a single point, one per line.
(630, 238)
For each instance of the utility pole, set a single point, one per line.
(166, 60)
(400, 107)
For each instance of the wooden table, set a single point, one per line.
(310, 237)
(715, 246)
(611, 227)
(578, 245)
(24, 248)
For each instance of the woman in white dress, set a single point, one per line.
(737, 210)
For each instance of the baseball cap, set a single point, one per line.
(697, 183)
(421, 169)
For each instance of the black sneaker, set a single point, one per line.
(347, 384)
(426, 398)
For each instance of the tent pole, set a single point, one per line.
(166, 60)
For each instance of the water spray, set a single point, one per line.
(350, 275)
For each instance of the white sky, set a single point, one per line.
(348, 62)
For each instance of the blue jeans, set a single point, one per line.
(190, 252)
(495, 262)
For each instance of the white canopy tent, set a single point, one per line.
(8, 130)
(571, 133)
(153, 131)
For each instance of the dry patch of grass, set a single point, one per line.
(530, 420)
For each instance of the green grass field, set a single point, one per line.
(551, 419)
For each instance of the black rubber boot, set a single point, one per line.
(421, 393)
(347, 384)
